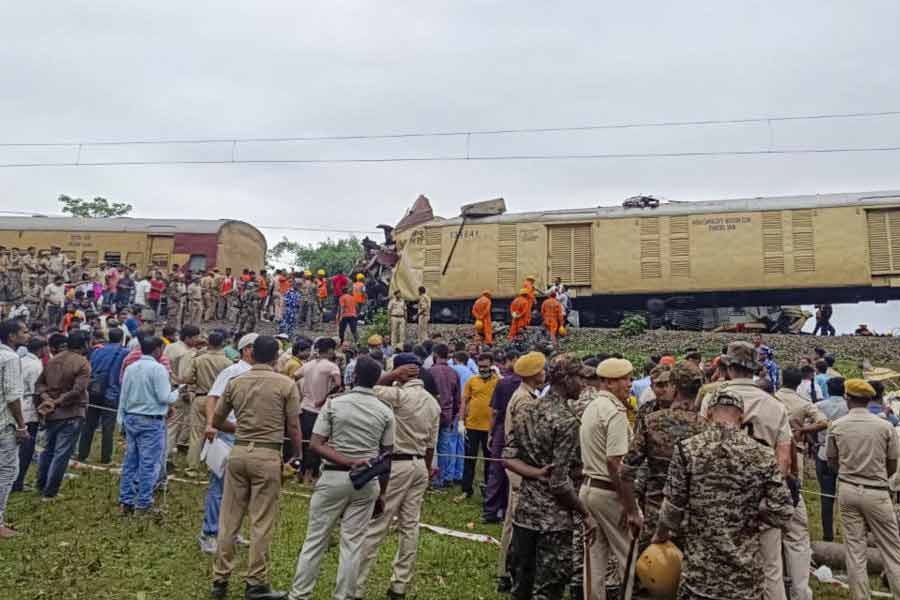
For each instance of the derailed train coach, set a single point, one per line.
(790, 250)
(194, 244)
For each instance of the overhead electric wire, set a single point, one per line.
(458, 158)
(461, 132)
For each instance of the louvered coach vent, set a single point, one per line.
(571, 253)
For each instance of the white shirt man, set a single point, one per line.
(141, 289)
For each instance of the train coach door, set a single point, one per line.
(570, 255)
(159, 253)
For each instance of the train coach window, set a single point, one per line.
(112, 258)
(197, 263)
(160, 261)
(91, 258)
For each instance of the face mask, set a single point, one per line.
(485, 373)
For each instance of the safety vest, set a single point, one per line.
(323, 287)
(359, 292)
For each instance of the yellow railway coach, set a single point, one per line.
(148, 243)
(747, 252)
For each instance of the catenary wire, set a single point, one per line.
(456, 133)
(459, 158)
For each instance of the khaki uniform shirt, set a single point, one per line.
(800, 410)
(863, 443)
(604, 432)
(56, 263)
(417, 415)
(523, 398)
(424, 305)
(262, 401)
(175, 352)
(357, 424)
(397, 308)
(195, 292)
(205, 368)
(208, 285)
(767, 416)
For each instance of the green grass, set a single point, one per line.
(78, 548)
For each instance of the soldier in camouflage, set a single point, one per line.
(543, 448)
(723, 487)
(248, 307)
(653, 444)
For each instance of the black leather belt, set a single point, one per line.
(335, 468)
(879, 488)
(157, 417)
(600, 484)
(406, 456)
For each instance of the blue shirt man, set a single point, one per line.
(143, 404)
(833, 408)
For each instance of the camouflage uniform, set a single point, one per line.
(717, 482)
(249, 308)
(541, 552)
(652, 446)
(309, 302)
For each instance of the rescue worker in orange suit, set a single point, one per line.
(520, 309)
(553, 315)
(532, 299)
(322, 285)
(359, 293)
(482, 312)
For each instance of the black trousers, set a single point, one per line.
(26, 453)
(474, 440)
(311, 460)
(107, 420)
(345, 323)
(540, 563)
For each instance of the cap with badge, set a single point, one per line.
(407, 358)
(247, 340)
(859, 388)
(614, 368)
(741, 354)
(376, 340)
(529, 365)
(726, 397)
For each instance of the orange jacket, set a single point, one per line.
(263, 286)
(482, 309)
(552, 311)
(323, 287)
(359, 292)
(521, 306)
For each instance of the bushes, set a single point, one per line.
(633, 325)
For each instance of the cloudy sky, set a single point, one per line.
(109, 71)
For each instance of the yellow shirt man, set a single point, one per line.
(477, 394)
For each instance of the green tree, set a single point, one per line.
(332, 255)
(96, 208)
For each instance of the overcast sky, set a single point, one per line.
(78, 71)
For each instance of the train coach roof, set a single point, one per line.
(114, 224)
(886, 198)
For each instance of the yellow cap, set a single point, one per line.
(360, 276)
(530, 278)
(321, 272)
(659, 569)
(529, 364)
(523, 292)
(858, 388)
(614, 368)
(307, 272)
(375, 340)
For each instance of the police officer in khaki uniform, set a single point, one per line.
(265, 404)
(397, 314)
(351, 430)
(766, 420)
(424, 315)
(605, 437)
(417, 416)
(195, 302)
(862, 448)
(203, 372)
(210, 293)
(804, 418)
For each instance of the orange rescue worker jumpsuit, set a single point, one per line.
(322, 283)
(532, 300)
(552, 314)
(519, 307)
(359, 293)
(482, 312)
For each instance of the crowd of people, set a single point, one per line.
(707, 455)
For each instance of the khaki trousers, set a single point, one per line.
(252, 486)
(334, 498)
(209, 308)
(797, 552)
(198, 431)
(769, 557)
(178, 426)
(863, 509)
(195, 312)
(405, 493)
(398, 332)
(606, 509)
(422, 330)
(515, 481)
